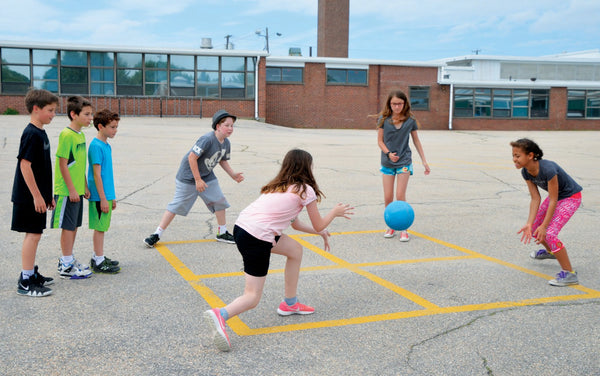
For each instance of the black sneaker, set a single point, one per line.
(226, 238)
(151, 240)
(111, 262)
(30, 287)
(104, 267)
(40, 279)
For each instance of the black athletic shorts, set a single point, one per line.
(256, 253)
(26, 219)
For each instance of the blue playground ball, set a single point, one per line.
(399, 215)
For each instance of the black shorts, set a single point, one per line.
(256, 253)
(26, 219)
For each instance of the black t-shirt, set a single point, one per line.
(35, 148)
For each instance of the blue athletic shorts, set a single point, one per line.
(397, 171)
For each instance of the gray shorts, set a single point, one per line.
(186, 194)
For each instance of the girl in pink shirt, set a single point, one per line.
(258, 232)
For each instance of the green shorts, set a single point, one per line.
(99, 221)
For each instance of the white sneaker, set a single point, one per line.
(73, 270)
(403, 236)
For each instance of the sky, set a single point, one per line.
(407, 30)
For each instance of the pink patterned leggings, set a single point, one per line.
(565, 209)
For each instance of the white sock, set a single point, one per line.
(98, 259)
(159, 231)
(222, 229)
(26, 273)
(67, 259)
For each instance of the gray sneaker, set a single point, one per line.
(564, 278)
(542, 254)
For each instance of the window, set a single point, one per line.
(501, 103)
(73, 72)
(207, 76)
(181, 76)
(45, 70)
(346, 76)
(419, 98)
(233, 82)
(583, 104)
(285, 74)
(155, 78)
(102, 74)
(129, 74)
(16, 73)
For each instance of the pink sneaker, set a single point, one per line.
(389, 233)
(298, 309)
(403, 236)
(215, 320)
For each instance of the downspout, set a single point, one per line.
(451, 111)
(256, 88)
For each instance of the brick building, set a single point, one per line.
(471, 92)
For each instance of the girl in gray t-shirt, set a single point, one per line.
(547, 219)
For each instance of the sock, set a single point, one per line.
(26, 273)
(67, 259)
(222, 229)
(224, 314)
(159, 231)
(98, 259)
(291, 301)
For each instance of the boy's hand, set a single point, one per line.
(104, 205)
(87, 194)
(74, 196)
(238, 176)
(52, 205)
(114, 204)
(201, 185)
(40, 204)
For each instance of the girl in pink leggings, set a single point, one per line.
(546, 220)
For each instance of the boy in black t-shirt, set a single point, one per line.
(32, 189)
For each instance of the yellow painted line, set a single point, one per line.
(380, 281)
(240, 328)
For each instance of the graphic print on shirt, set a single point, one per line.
(214, 159)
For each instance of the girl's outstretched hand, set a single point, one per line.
(343, 210)
(325, 234)
(526, 234)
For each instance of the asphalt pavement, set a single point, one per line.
(462, 297)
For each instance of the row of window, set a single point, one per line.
(131, 74)
(334, 76)
(522, 103)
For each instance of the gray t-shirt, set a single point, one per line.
(396, 139)
(567, 187)
(210, 152)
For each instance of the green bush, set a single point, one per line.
(10, 111)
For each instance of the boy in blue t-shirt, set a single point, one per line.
(32, 189)
(102, 188)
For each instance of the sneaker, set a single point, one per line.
(151, 240)
(111, 262)
(542, 254)
(74, 270)
(389, 233)
(226, 238)
(105, 266)
(296, 309)
(31, 287)
(403, 236)
(215, 320)
(564, 278)
(40, 279)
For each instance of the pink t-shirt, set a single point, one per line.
(272, 213)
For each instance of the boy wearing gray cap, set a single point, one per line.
(195, 177)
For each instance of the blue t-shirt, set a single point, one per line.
(567, 187)
(210, 152)
(100, 153)
(396, 139)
